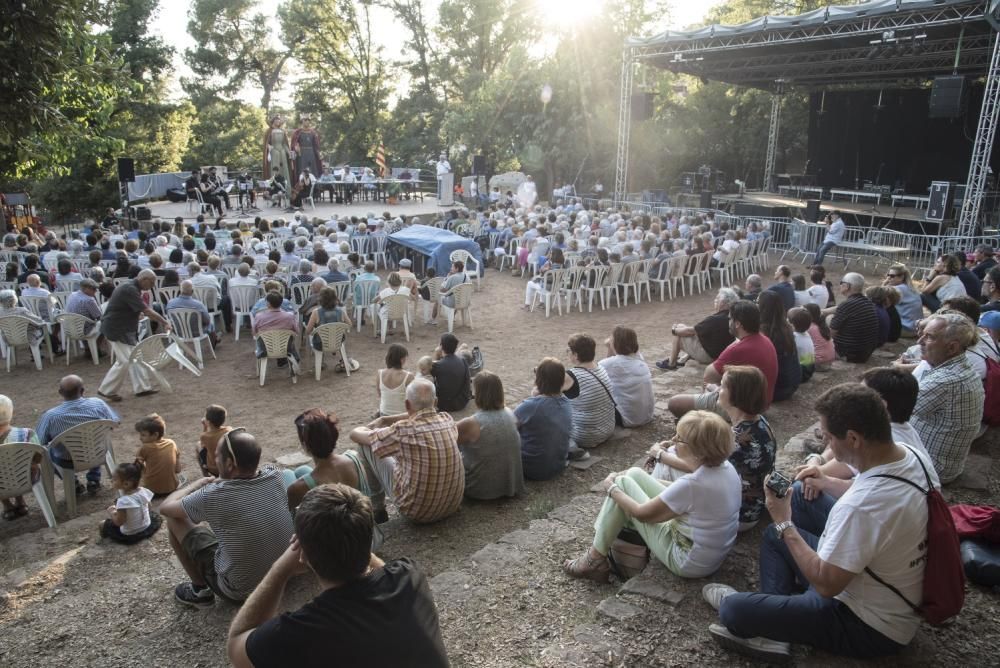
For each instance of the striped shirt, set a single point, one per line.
(593, 408)
(20, 435)
(250, 518)
(856, 324)
(429, 477)
(947, 414)
(68, 414)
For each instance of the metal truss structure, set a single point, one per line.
(772, 141)
(624, 128)
(881, 43)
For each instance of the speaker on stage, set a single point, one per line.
(478, 165)
(642, 106)
(812, 210)
(126, 170)
(706, 199)
(949, 96)
(940, 207)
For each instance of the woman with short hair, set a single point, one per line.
(490, 444)
(631, 382)
(543, 421)
(689, 525)
(589, 393)
(15, 508)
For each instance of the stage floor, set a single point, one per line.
(846, 207)
(167, 211)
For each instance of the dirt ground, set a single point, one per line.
(68, 597)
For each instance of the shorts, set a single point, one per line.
(200, 545)
(709, 401)
(692, 346)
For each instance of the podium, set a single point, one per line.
(446, 189)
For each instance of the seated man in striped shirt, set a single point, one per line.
(415, 456)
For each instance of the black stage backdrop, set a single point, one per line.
(852, 142)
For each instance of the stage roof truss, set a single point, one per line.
(870, 43)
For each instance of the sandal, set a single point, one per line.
(588, 569)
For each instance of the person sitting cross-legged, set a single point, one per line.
(369, 612)
(544, 421)
(854, 324)
(249, 525)
(705, 341)
(690, 524)
(415, 457)
(818, 590)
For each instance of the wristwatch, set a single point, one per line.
(780, 528)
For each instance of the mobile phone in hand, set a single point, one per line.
(778, 484)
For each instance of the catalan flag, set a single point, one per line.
(380, 159)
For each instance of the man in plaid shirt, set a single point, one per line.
(415, 456)
(950, 403)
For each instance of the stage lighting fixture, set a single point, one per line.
(872, 52)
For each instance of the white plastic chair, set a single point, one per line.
(15, 476)
(242, 297)
(550, 288)
(611, 280)
(434, 288)
(463, 304)
(333, 339)
(74, 330)
(44, 308)
(396, 309)
(188, 328)
(158, 352)
(363, 296)
(466, 258)
(510, 254)
(343, 289)
(378, 249)
(573, 287)
(725, 268)
(309, 197)
(596, 279)
(640, 280)
(88, 445)
(671, 276)
(14, 334)
(208, 296)
(300, 293)
(276, 347)
(165, 294)
(361, 245)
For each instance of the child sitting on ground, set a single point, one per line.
(161, 459)
(424, 366)
(213, 427)
(130, 518)
(801, 321)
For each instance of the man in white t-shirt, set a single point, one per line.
(878, 524)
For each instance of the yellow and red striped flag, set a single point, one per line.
(380, 159)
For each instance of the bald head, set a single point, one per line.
(71, 387)
(34, 281)
(187, 288)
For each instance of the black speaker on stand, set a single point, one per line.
(812, 210)
(126, 175)
(941, 204)
(478, 165)
(706, 199)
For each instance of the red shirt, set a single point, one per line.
(752, 350)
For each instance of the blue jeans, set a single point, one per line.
(810, 516)
(807, 618)
(824, 248)
(93, 475)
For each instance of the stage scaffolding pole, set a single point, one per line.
(982, 148)
(772, 137)
(624, 128)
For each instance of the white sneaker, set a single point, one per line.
(758, 648)
(714, 592)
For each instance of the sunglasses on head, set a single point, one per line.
(229, 444)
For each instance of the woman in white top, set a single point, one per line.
(689, 525)
(396, 287)
(631, 382)
(943, 284)
(390, 386)
(802, 296)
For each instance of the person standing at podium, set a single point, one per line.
(443, 167)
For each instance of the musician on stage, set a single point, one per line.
(303, 187)
(443, 167)
(218, 187)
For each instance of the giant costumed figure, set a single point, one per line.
(277, 152)
(306, 148)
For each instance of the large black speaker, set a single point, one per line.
(940, 206)
(812, 210)
(642, 106)
(479, 165)
(706, 199)
(760, 210)
(126, 170)
(949, 97)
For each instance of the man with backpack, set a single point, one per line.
(855, 590)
